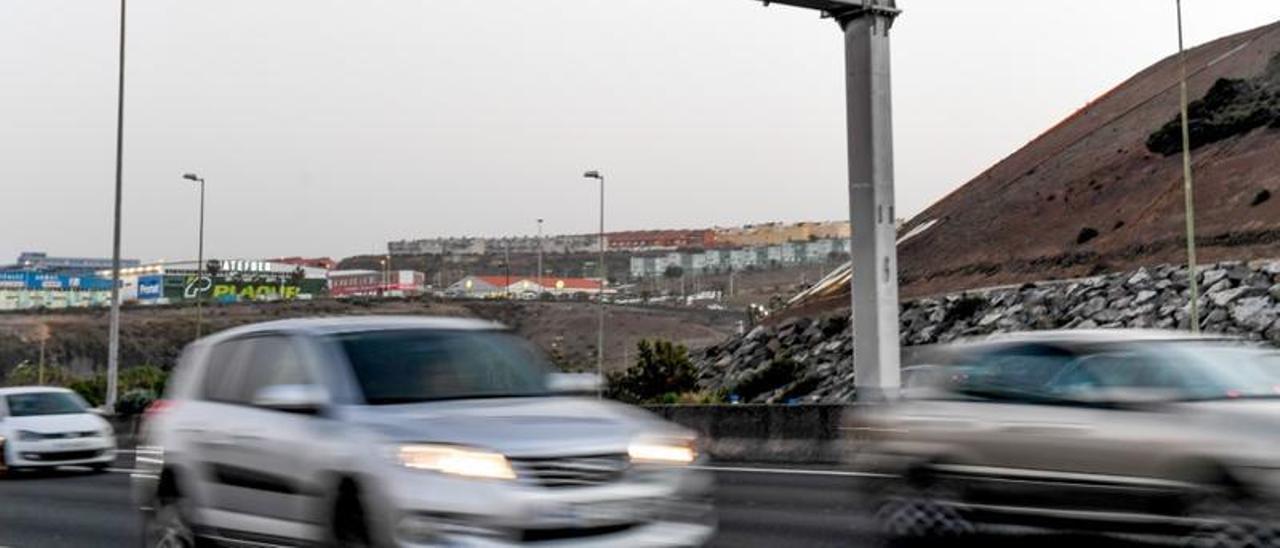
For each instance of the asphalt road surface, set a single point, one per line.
(757, 507)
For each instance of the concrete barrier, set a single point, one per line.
(763, 433)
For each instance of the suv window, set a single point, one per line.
(222, 375)
(1018, 372)
(239, 368)
(1101, 371)
(271, 361)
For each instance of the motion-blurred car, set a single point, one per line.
(1136, 432)
(43, 427)
(406, 432)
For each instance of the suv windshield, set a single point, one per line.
(1206, 371)
(395, 367)
(44, 403)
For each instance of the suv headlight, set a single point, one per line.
(456, 461)
(662, 451)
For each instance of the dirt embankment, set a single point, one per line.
(77, 340)
(1102, 190)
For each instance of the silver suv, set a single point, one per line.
(1151, 433)
(405, 432)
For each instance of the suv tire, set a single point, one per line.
(913, 509)
(166, 525)
(350, 520)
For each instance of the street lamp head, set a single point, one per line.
(191, 177)
(593, 174)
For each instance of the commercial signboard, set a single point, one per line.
(150, 288)
(238, 288)
(42, 281)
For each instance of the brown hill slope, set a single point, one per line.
(1089, 196)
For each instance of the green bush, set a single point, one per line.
(135, 401)
(661, 373)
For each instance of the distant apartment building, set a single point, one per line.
(650, 240)
(38, 261)
(781, 233)
(494, 246)
(738, 259)
(634, 241)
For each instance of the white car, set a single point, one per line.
(44, 427)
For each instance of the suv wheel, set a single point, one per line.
(350, 522)
(166, 525)
(1228, 518)
(915, 508)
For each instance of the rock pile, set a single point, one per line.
(810, 360)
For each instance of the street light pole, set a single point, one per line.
(1188, 190)
(113, 331)
(199, 257)
(541, 287)
(603, 273)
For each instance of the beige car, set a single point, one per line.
(1135, 432)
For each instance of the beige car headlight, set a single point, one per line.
(456, 461)
(662, 451)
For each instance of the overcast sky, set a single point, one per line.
(327, 127)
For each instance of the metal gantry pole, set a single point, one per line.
(113, 336)
(1188, 189)
(874, 291)
(871, 201)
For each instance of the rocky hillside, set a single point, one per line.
(811, 360)
(1102, 190)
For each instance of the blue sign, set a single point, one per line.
(150, 287)
(42, 281)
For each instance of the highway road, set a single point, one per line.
(758, 508)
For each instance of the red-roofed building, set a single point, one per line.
(325, 263)
(523, 286)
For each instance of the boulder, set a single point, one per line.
(1223, 298)
(1213, 276)
(1254, 314)
(1140, 278)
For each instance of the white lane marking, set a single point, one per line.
(793, 471)
(130, 471)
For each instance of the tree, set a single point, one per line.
(672, 272)
(662, 371)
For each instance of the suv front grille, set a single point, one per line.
(571, 471)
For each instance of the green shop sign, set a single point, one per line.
(258, 287)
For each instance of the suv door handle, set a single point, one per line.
(1045, 428)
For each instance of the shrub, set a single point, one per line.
(662, 372)
(135, 401)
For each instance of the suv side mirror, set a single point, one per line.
(580, 384)
(292, 398)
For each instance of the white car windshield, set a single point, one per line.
(44, 403)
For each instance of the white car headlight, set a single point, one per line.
(663, 451)
(456, 461)
(27, 435)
